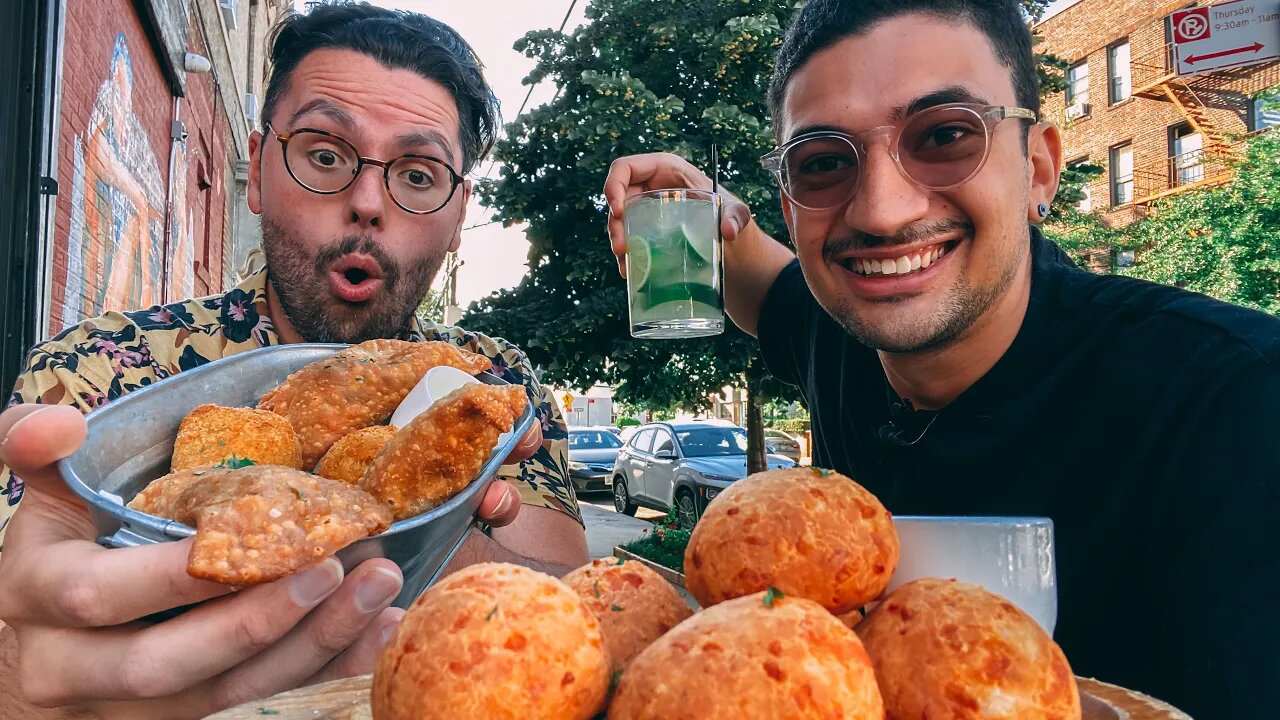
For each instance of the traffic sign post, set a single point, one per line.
(1226, 35)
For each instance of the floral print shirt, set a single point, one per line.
(97, 361)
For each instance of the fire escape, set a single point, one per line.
(1211, 164)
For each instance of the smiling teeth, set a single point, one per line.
(900, 266)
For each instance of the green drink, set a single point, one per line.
(674, 270)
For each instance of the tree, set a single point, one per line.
(1225, 241)
(643, 76)
(431, 308)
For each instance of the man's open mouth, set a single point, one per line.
(906, 264)
(355, 278)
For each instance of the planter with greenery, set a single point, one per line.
(661, 548)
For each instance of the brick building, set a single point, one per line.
(1125, 109)
(156, 100)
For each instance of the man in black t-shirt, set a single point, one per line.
(956, 362)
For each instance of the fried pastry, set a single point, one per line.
(259, 523)
(351, 456)
(440, 451)
(211, 434)
(358, 387)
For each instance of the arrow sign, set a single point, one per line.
(1226, 35)
(1256, 47)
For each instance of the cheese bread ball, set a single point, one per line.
(810, 533)
(493, 642)
(759, 656)
(634, 605)
(946, 649)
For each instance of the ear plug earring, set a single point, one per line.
(1043, 210)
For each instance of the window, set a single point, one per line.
(1186, 155)
(1264, 113)
(643, 441)
(593, 440)
(713, 442)
(1121, 175)
(662, 442)
(1086, 203)
(1119, 73)
(1078, 84)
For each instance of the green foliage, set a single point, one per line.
(1225, 241)
(791, 426)
(664, 544)
(628, 422)
(431, 309)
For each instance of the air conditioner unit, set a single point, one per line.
(1078, 111)
(228, 8)
(251, 108)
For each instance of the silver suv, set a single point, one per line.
(682, 465)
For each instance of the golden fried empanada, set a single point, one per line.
(359, 386)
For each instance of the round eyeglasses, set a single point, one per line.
(327, 164)
(940, 148)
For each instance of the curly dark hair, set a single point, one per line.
(397, 39)
(822, 23)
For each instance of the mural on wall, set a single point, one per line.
(115, 244)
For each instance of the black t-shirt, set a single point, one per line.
(1142, 419)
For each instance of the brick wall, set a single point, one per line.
(1085, 31)
(127, 235)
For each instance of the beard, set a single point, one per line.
(962, 306)
(301, 283)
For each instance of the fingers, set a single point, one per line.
(735, 217)
(131, 662)
(77, 583)
(640, 173)
(527, 446)
(348, 624)
(35, 438)
(501, 504)
(362, 656)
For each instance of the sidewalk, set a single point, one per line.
(606, 528)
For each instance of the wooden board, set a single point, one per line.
(349, 700)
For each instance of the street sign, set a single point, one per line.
(1226, 35)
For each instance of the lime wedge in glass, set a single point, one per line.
(638, 261)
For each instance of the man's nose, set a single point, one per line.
(367, 199)
(886, 202)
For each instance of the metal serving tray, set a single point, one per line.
(130, 443)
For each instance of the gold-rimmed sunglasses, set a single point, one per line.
(939, 148)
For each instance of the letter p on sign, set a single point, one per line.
(1191, 25)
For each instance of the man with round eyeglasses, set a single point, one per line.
(372, 119)
(955, 361)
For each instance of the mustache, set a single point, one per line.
(910, 235)
(364, 245)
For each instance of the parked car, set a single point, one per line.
(613, 429)
(592, 453)
(782, 444)
(682, 465)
